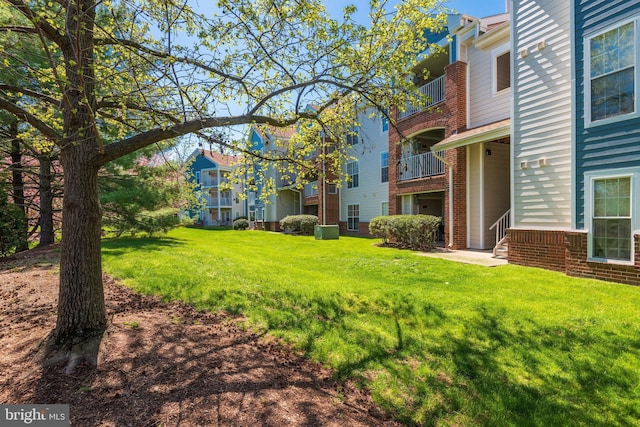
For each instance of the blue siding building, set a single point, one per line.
(606, 66)
(221, 201)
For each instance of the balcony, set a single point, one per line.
(214, 201)
(420, 166)
(212, 181)
(311, 189)
(434, 91)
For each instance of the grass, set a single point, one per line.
(436, 342)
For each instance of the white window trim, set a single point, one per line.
(500, 50)
(381, 166)
(589, 178)
(350, 183)
(587, 75)
(382, 208)
(349, 217)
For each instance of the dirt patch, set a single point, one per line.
(163, 364)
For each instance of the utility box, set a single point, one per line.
(327, 232)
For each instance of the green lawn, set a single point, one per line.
(436, 342)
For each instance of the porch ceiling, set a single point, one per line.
(490, 132)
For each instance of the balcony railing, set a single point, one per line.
(434, 90)
(420, 166)
(311, 189)
(215, 202)
(212, 181)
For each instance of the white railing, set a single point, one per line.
(420, 166)
(311, 189)
(212, 181)
(215, 201)
(501, 226)
(209, 181)
(434, 91)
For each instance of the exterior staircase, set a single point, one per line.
(501, 249)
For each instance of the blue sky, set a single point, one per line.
(477, 8)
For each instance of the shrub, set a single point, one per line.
(303, 224)
(413, 231)
(379, 226)
(240, 224)
(162, 220)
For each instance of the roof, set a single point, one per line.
(495, 130)
(220, 159)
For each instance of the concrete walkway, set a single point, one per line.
(485, 258)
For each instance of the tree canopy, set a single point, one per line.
(101, 80)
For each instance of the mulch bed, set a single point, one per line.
(163, 363)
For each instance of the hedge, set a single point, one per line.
(414, 231)
(302, 224)
(241, 224)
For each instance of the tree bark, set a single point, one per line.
(81, 307)
(17, 183)
(47, 234)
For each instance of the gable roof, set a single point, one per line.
(220, 159)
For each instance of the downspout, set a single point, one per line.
(446, 162)
(324, 183)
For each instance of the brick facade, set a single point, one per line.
(451, 116)
(566, 251)
(363, 229)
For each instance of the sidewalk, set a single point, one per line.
(478, 257)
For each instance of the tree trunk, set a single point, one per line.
(81, 307)
(17, 182)
(45, 221)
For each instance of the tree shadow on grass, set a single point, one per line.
(121, 246)
(168, 364)
(559, 377)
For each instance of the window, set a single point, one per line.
(332, 188)
(612, 218)
(503, 71)
(610, 73)
(385, 120)
(353, 217)
(384, 211)
(352, 173)
(198, 177)
(352, 135)
(384, 167)
(610, 213)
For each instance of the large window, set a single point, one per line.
(611, 73)
(384, 167)
(610, 214)
(612, 218)
(353, 217)
(353, 174)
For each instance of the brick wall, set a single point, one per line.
(537, 248)
(363, 229)
(566, 251)
(450, 115)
